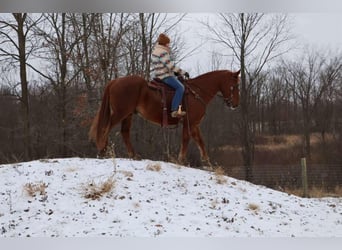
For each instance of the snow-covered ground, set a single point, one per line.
(154, 199)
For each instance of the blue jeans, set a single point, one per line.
(178, 87)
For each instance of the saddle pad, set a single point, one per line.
(158, 84)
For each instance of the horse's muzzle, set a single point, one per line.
(229, 103)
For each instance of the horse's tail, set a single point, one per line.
(101, 124)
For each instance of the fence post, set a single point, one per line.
(304, 177)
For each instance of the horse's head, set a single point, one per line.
(231, 93)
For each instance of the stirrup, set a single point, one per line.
(177, 113)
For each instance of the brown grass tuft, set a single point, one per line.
(33, 188)
(253, 207)
(125, 173)
(154, 167)
(71, 169)
(95, 191)
(219, 176)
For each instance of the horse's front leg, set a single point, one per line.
(197, 136)
(101, 154)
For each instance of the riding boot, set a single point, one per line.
(178, 113)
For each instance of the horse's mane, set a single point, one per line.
(209, 73)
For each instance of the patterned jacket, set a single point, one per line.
(162, 66)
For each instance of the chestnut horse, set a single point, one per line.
(127, 95)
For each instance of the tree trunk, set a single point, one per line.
(245, 126)
(24, 85)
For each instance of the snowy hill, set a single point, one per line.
(156, 199)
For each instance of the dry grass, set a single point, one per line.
(33, 188)
(125, 173)
(338, 191)
(315, 192)
(95, 191)
(284, 142)
(136, 205)
(154, 167)
(276, 143)
(219, 176)
(71, 169)
(110, 153)
(253, 207)
(276, 163)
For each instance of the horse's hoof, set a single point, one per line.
(206, 164)
(101, 154)
(137, 157)
(181, 161)
(134, 156)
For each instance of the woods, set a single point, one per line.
(54, 67)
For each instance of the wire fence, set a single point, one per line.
(326, 177)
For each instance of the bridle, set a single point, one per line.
(229, 100)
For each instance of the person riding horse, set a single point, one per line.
(165, 69)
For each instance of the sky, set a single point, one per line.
(170, 6)
(318, 30)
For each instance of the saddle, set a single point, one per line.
(165, 91)
(157, 84)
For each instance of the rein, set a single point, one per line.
(195, 94)
(226, 100)
(197, 97)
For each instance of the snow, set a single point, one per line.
(152, 199)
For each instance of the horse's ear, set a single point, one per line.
(238, 72)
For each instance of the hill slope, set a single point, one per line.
(48, 198)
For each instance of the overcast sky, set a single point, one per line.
(321, 31)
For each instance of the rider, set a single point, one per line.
(165, 70)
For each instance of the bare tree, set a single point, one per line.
(310, 79)
(325, 105)
(108, 32)
(146, 41)
(82, 57)
(254, 40)
(58, 46)
(337, 123)
(273, 109)
(18, 51)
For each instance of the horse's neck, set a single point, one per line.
(208, 84)
(211, 79)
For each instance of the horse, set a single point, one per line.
(128, 95)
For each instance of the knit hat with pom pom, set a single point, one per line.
(163, 39)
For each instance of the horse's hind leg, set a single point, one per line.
(196, 135)
(114, 120)
(125, 132)
(184, 146)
